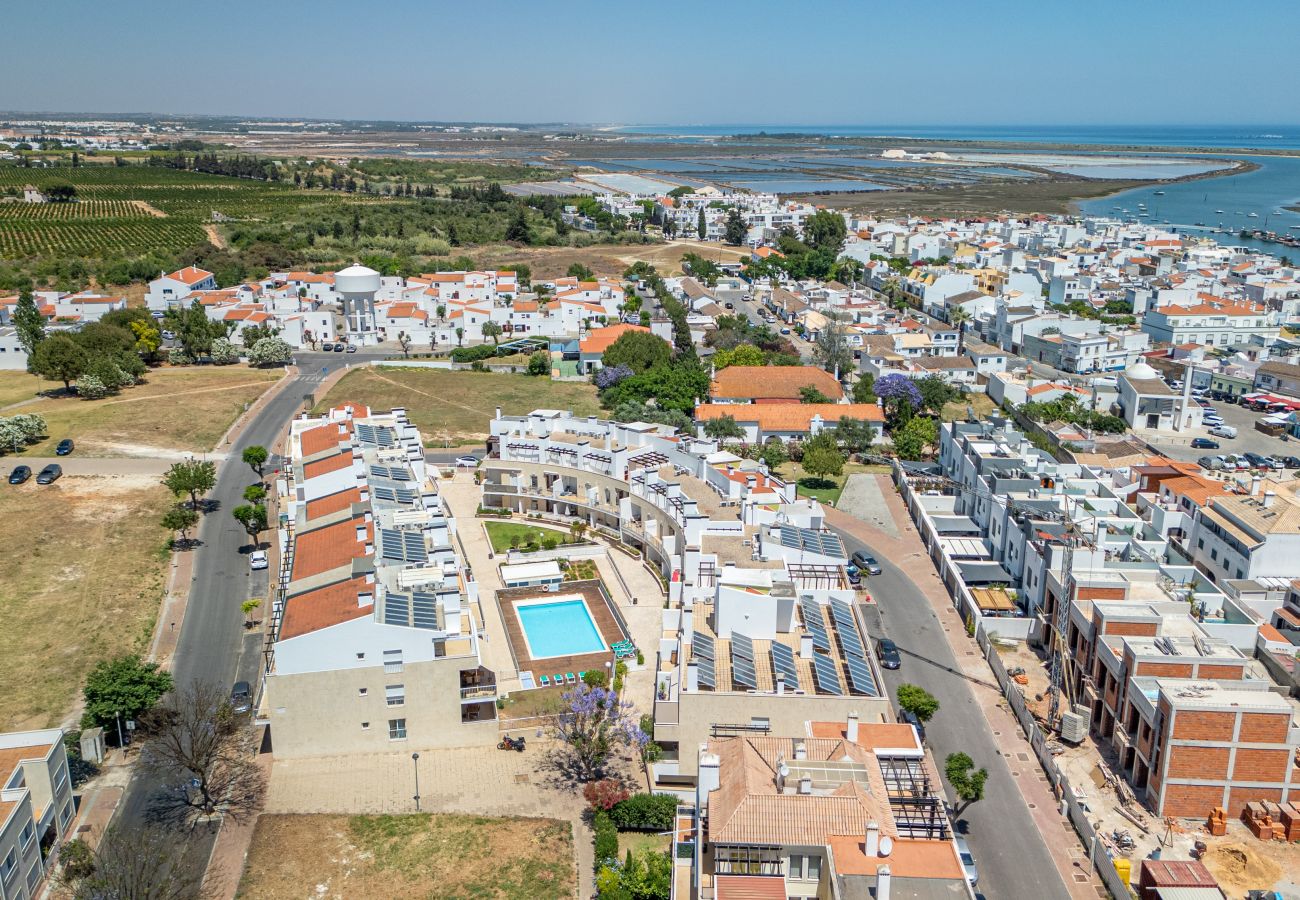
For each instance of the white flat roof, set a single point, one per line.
(528, 571)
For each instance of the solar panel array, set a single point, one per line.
(392, 473)
(850, 637)
(396, 494)
(828, 677)
(742, 661)
(783, 664)
(823, 542)
(812, 619)
(702, 649)
(702, 645)
(419, 610)
(741, 645)
(861, 681)
(377, 436)
(404, 546)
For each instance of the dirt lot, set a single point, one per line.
(977, 199)
(182, 409)
(456, 406)
(381, 857)
(84, 566)
(609, 260)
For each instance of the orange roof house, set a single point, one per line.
(190, 275)
(772, 384)
(788, 417)
(600, 339)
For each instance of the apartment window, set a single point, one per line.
(397, 729)
(1239, 574)
(392, 661)
(361, 656)
(10, 864)
(1200, 543)
(65, 815)
(61, 782)
(395, 694)
(1214, 554)
(33, 876)
(25, 838)
(365, 726)
(361, 692)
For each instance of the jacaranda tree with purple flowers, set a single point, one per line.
(901, 399)
(612, 376)
(593, 723)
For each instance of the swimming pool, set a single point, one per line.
(561, 627)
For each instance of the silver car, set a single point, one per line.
(1210, 462)
(967, 860)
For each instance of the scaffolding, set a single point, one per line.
(918, 811)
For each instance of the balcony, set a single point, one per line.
(478, 691)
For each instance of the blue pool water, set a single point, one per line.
(563, 628)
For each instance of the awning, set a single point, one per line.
(983, 573)
(955, 525)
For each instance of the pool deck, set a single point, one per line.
(601, 614)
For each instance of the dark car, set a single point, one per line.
(866, 562)
(1256, 461)
(1204, 444)
(907, 717)
(65, 447)
(1291, 462)
(339, 348)
(20, 474)
(327, 347)
(855, 577)
(51, 473)
(241, 697)
(887, 653)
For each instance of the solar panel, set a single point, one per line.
(828, 678)
(821, 640)
(852, 643)
(842, 613)
(402, 546)
(861, 680)
(708, 677)
(424, 610)
(823, 542)
(381, 436)
(702, 645)
(742, 672)
(811, 610)
(742, 646)
(396, 610)
(783, 664)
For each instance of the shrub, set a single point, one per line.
(606, 836)
(644, 812)
(550, 542)
(178, 357)
(595, 678)
(91, 387)
(473, 354)
(223, 352)
(604, 794)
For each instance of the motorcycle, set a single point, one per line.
(509, 743)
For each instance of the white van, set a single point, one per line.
(1224, 431)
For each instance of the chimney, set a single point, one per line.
(805, 785)
(1269, 497)
(851, 732)
(1254, 485)
(708, 778)
(805, 646)
(498, 415)
(782, 773)
(883, 880)
(800, 750)
(873, 840)
(692, 677)
(780, 685)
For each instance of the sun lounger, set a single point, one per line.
(568, 677)
(544, 681)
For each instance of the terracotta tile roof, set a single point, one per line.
(772, 382)
(871, 735)
(323, 549)
(323, 437)
(749, 887)
(1195, 488)
(324, 607)
(327, 465)
(909, 858)
(789, 416)
(332, 503)
(525, 306)
(599, 339)
(190, 275)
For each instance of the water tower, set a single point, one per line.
(357, 285)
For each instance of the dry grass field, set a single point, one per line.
(610, 260)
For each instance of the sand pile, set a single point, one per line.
(1240, 868)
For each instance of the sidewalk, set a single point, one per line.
(907, 553)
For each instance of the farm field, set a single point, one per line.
(181, 409)
(417, 855)
(84, 565)
(456, 406)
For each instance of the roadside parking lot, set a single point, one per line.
(1248, 440)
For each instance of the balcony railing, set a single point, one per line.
(475, 691)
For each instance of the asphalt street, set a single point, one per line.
(1009, 851)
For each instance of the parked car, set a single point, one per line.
(20, 474)
(327, 347)
(169, 335)
(866, 562)
(50, 474)
(907, 717)
(241, 698)
(785, 330)
(352, 348)
(339, 348)
(1204, 444)
(468, 462)
(1212, 419)
(1235, 462)
(65, 448)
(855, 578)
(1256, 460)
(728, 305)
(257, 559)
(1291, 462)
(1210, 462)
(158, 314)
(1224, 431)
(967, 860)
(887, 653)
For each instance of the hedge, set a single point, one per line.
(645, 812)
(606, 840)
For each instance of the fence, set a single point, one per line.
(1102, 861)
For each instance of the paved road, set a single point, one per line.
(1177, 446)
(1009, 851)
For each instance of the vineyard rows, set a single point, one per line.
(85, 209)
(53, 237)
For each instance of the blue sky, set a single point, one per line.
(797, 62)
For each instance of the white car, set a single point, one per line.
(468, 462)
(257, 560)
(1212, 420)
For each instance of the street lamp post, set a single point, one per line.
(118, 716)
(415, 758)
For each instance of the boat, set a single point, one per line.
(1218, 212)
(1159, 193)
(1252, 215)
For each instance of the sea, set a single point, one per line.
(1218, 207)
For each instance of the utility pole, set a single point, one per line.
(415, 757)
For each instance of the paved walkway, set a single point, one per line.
(907, 553)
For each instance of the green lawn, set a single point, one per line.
(457, 406)
(538, 702)
(829, 491)
(636, 841)
(500, 534)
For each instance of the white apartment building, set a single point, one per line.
(36, 808)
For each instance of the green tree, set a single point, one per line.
(180, 519)
(936, 393)
(492, 330)
(640, 351)
(539, 363)
(723, 427)
(255, 458)
(60, 193)
(831, 349)
(854, 435)
(911, 440)
(579, 271)
(967, 781)
(252, 517)
(918, 701)
(958, 319)
(774, 454)
(822, 461)
(125, 686)
(29, 323)
(864, 389)
(192, 476)
(810, 394)
(518, 230)
(59, 358)
(742, 355)
(270, 351)
(734, 230)
(701, 225)
(255, 493)
(825, 230)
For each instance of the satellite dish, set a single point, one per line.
(886, 845)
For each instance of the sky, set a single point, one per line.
(798, 62)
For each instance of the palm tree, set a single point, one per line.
(894, 291)
(958, 319)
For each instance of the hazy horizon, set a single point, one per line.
(678, 63)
